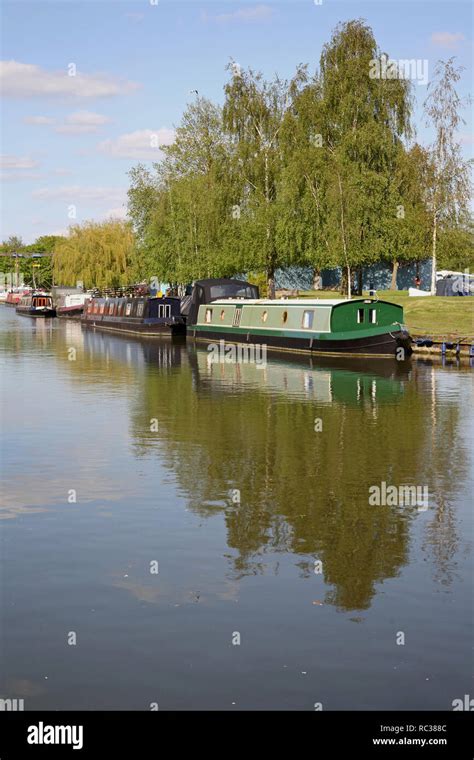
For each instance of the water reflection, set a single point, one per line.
(237, 428)
(301, 441)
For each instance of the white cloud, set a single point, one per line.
(75, 129)
(142, 144)
(82, 122)
(61, 171)
(18, 176)
(447, 39)
(17, 162)
(82, 193)
(24, 80)
(46, 120)
(116, 213)
(246, 15)
(87, 118)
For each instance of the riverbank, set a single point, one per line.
(440, 318)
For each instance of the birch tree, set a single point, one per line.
(448, 196)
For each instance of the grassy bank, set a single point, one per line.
(435, 316)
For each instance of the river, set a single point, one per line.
(184, 535)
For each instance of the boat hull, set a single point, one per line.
(69, 312)
(143, 329)
(385, 344)
(35, 312)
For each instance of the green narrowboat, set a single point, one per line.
(360, 326)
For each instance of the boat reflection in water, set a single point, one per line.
(252, 493)
(227, 429)
(321, 379)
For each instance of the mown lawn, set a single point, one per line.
(428, 315)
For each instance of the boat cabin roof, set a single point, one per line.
(309, 302)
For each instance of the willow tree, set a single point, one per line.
(449, 194)
(101, 254)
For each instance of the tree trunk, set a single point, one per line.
(433, 258)
(317, 281)
(346, 287)
(270, 282)
(343, 233)
(393, 284)
(360, 275)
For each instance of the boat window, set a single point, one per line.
(232, 290)
(128, 309)
(164, 310)
(102, 308)
(111, 308)
(360, 316)
(208, 315)
(308, 319)
(373, 316)
(264, 316)
(223, 314)
(236, 317)
(284, 317)
(140, 309)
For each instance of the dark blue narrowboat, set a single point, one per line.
(138, 315)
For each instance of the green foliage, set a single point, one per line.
(99, 254)
(309, 171)
(456, 246)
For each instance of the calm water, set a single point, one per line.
(236, 497)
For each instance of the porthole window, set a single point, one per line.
(284, 317)
(264, 316)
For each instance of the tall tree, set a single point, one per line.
(364, 120)
(449, 194)
(254, 112)
(181, 208)
(345, 131)
(406, 225)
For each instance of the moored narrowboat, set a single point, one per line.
(142, 315)
(36, 305)
(14, 296)
(71, 305)
(366, 327)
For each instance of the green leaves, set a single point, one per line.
(100, 254)
(312, 171)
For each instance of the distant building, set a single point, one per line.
(377, 275)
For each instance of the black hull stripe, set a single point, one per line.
(377, 345)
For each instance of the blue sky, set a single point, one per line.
(70, 140)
